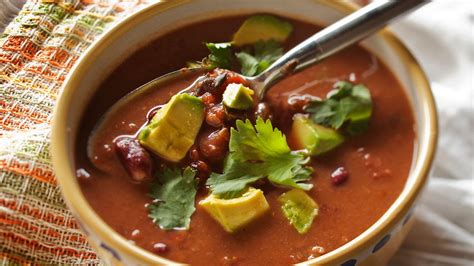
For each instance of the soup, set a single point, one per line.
(348, 183)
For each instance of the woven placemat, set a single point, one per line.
(37, 50)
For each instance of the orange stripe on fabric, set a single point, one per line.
(24, 169)
(22, 112)
(25, 224)
(21, 108)
(35, 244)
(53, 55)
(46, 231)
(38, 213)
(16, 259)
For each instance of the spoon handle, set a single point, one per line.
(335, 37)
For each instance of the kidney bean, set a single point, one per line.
(209, 99)
(136, 160)
(219, 80)
(214, 146)
(160, 248)
(234, 78)
(213, 83)
(152, 112)
(203, 169)
(339, 176)
(297, 103)
(229, 260)
(194, 153)
(264, 111)
(216, 116)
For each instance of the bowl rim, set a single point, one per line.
(84, 212)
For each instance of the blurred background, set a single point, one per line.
(441, 36)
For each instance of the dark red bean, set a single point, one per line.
(214, 146)
(297, 103)
(194, 153)
(234, 78)
(216, 116)
(229, 260)
(203, 169)
(219, 80)
(264, 111)
(160, 248)
(136, 160)
(213, 83)
(339, 176)
(153, 111)
(209, 99)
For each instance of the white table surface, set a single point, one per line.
(441, 36)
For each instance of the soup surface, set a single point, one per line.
(377, 161)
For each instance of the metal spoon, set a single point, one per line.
(349, 30)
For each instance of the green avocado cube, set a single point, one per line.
(299, 208)
(233, 214)
(173, 129)
(237, 96)
(262, 28)
(317, 139)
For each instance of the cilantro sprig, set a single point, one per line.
(221, 55)
(346, 104)
(174, 197)
(263, 53)
(257, 152)
(253, 59)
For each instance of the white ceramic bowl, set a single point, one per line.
(375, 246)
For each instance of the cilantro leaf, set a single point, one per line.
(221, 55)
(174, 198)
(346, 103)
(258, 152)
(235, 179)
(263, 55)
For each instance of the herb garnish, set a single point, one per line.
(252, 59)
(174, 199)
(221, 55)
(264, 53)
(259, 152)
(346, 103)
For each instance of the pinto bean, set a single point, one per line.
(215, 145)
(136, 160)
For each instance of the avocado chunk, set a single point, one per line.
(317, 139)
(173, 129)
(299, 208)
(235, 213)
(262, 28)
(237, 96)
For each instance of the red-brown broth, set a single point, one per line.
(378, 161)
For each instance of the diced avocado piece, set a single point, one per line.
(299, 208)
(360, 116)
(237, 96)
(317, 139)
(262, 28)
(173, 129)
(235, 213)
